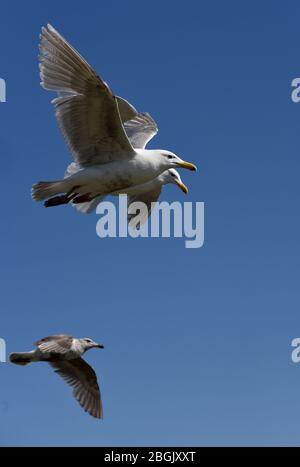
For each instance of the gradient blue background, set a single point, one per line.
(197, 341)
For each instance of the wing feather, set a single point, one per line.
(60, 344)
(149, 199)
(88, 115)
(140, 129)
(82, 377)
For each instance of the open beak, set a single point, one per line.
(99, 346)
(187, 165)
(183, 187)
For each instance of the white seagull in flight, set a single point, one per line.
(147, 193)
(93, 122)
(64, 353)
(139, 129)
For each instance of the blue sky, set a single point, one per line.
(197, 342)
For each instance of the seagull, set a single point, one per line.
(63, 353)
(92, 120)
(148, 193)
(139, 129)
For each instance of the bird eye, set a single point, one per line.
(170, 157)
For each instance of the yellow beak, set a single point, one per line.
(187, 165)
(183, 187)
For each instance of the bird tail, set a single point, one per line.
(44, 190)
(22, 358)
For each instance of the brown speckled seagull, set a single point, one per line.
(64, 353)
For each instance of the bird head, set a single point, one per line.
(172, 176)
(171, 160)
(88, 343)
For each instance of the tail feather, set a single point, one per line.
(44, 190)
(22, 358)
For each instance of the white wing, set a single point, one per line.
(87, 111)
(149, 199)
(127, 111)
(140, 129)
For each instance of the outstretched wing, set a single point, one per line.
(127, 111)
(57, 344)
(86, 109)
(149, 199)
(81, 376)
(140, 129)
